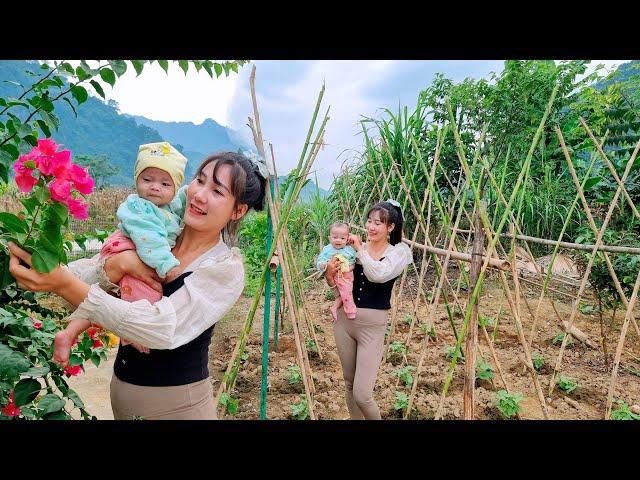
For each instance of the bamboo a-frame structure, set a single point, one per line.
(449, 243)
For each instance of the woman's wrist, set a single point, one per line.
(73, 290)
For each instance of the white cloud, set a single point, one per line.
(172, 97)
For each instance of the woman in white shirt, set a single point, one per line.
(172, 381)
(360, 341)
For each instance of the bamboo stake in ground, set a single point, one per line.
(472, 333)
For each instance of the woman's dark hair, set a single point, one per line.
(247, 184)
(390, 214)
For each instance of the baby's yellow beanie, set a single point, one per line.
(164, 156)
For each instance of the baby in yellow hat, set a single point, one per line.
(150, 222)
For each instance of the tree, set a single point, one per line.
(99, 168)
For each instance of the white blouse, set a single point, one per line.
(207, 295)
(396, 258)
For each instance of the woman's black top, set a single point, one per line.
(368, 294)
(164, 368)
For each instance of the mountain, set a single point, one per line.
(196, 141)
(307, 192)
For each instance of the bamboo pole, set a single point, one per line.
(576, 246)
(471, 340)
(594, 228)
(605, 223)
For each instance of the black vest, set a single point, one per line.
(165, 368)
(368, 294)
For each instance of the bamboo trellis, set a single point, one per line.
(437, 223)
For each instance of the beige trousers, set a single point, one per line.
(193, 401)
(360, 343)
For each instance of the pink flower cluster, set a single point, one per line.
(63, 176)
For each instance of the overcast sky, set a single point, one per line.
(287, 92)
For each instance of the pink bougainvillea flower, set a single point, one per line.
(37, 324)
(46, 146)
(82, 182)
(78, 209)
(26, 182)
(57, 164)
(11, 410)
(24, 176)
(60, 190)
(73, 371)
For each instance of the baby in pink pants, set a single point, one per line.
(338, 236)
(150, 222)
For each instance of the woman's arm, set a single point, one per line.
(208, 293)
(380, 271)
(330, 272)
(206, 296)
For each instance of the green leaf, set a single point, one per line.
(11, 150)
(97, 87)
(66, 99)
(218, 69)
(44, 261)
(25, 391)
(12, 222)
(119, 66)
(50, 403)
(59, 415)
(207, 66)
(29, 203)
(61, 212)
(79, 93)
(45, 129)
(234, 67)
(164, 64)
(184, 65)
(108, 76)
(591, 183)
(75, 398)
(138, 66)
(38, 371)
(75, 360)
(81, 74)
(12, 363)
(95, 359)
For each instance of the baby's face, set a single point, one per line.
(338, 237)
(156, 186)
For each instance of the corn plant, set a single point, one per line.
(509, 403)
